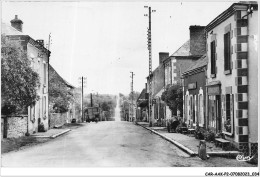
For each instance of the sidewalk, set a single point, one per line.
(51, 133)
(188, 143)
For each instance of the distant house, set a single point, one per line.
(142, 106)
(39, 57)
(60, 88)
(183, 58)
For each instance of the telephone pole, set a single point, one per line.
(132, 95)
(149, 37)
(83, 84)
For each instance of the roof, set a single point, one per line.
(142, 95)
(9, 30)
(229, 12)
(203, 61)
(59, 77)
(184, 50)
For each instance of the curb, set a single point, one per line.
(185, 149)
(61, 133)
(227, 154)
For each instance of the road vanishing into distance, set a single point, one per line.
(107, 144)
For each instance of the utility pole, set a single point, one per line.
(149, 37)
(48, 47)
(91, 100)
(132, 95)
(83, 84)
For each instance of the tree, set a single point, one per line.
(173, 97)
(135, 96)
(19, 81)
(59, 93)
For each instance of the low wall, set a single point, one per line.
(15, 126)
(58, 119)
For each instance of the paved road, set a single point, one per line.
(105, 144)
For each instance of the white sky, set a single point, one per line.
(104, 41)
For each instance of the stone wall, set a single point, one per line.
(16, 126)
(58, 119)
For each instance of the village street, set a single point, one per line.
(107, 144)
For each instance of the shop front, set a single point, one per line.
(214, 107)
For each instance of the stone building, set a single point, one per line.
(194, 87)
(57, 82)
(39, 57)
(183, 58)
(157, 88)
(232, 85)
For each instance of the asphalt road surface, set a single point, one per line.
(105, 144)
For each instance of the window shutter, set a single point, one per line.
(224, 105)
(232, 111)
(227, 49)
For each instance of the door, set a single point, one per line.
(212, 112)
(218, 113)
(5, 128)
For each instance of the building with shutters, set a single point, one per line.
(39, 57)
(194, 81)
(232, 84)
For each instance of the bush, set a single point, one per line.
(8, 109)
(199, 133)
(209, 136)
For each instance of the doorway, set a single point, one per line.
(215, 112)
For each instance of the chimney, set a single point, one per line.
(197, 40)
(17, 23)
(40, 41)
(162, 56)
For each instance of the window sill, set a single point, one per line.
(213, 75)
(226, 72)
(228, 134)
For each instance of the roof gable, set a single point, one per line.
(184, 50)
(9, 30)
(203, 61)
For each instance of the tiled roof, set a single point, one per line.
(53, 71)
(9, 30)
(142, 95)
(184, 50)
(203, 61)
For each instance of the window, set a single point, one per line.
(212, 56)
(228, 123)
(44, 73)
(227, 53)
(32, 113)
(186, 107)
(44, 106)
(200, 109)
